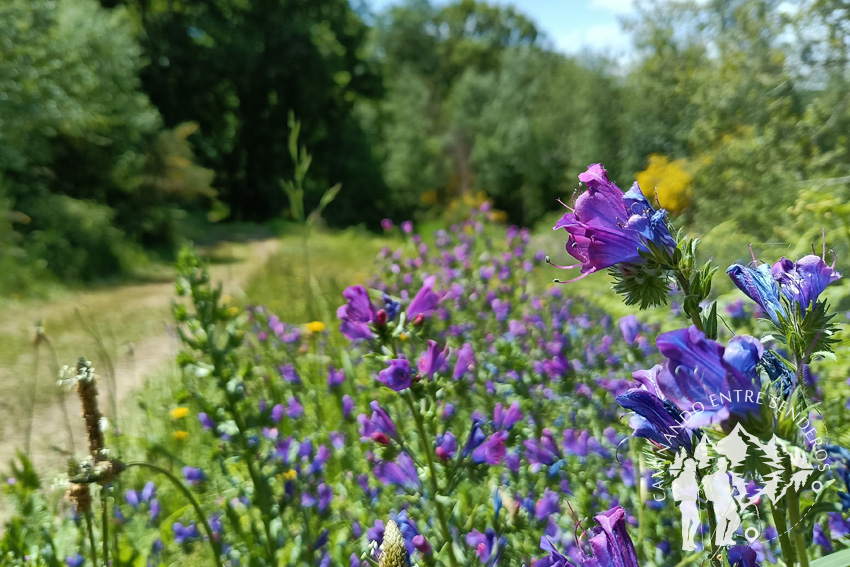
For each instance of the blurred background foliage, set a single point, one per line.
(118, 118)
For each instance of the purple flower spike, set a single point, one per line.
(397, 375)
(608, 227)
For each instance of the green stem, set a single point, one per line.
(92, 545)
(432, 470)
(104, 516)
(191, 498)
(781, 526)
(796, 527)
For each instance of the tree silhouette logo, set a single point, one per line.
(733, 475)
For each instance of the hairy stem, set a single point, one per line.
(796, 527)
(781, 526)
(432, 473)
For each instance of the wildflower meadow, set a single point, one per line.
(456, 408)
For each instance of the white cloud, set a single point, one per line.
(615, 6)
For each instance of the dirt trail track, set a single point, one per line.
(148, 306)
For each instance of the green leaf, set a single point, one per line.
(840, 559)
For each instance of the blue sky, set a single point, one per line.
(572, 25)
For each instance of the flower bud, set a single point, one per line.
(421, 544)
(380, 437)
(418, 320)
(381, 318)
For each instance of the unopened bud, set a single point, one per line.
(380, 437)
(418, 320)
(421, 544)
(381, 318)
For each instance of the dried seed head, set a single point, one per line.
(393, 552)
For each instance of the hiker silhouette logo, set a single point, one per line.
(733, 476)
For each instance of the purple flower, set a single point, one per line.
(132, 498)
(288, 373)
(356, 314)
(425, 301)
(548, 505)
(446, 445)
(184, 534)
(492, 451)
(432, 360)
(194, 475)
(608, 227)
(703, 375)
(379, 427)
(821, 539)
(759, 285)
(148, 492)
(277, 412)
(543, 452)
(347, 406)
(488, 546)
(656, 419)
(154, 511)
(294, 408)
(465, 362)
(475, 439)
(335, 377)
(75, 560)
(206, 421)
(326, 494)
(506, 419)
(386, 224)
(407, 227)
(397, 375)
(610, 543)
(804, 280)
(402, 472)
(742, 556)
(630, 327)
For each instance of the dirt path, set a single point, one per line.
(135, 322)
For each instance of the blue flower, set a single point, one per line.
(804, 280)
(759, 285)
(657, 420)
(709, 381)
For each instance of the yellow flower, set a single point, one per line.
(179, 413)
(181, 435)
(403, 337)
(290, 475)
(233, 311)
(315, 327)
(669, 180)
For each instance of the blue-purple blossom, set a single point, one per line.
(446, 445)
(356, 314)
(475, 439)
(185, 534)
(335, 377)
(607, 227)
(759, 285)
(630, 327)
(610, 544)
(379, 427)
(656, 419)
(492, 451)
(488, 546)
(397, 375)
(347, 406)
(704, 375)
(547, 505)
(193, 475)
(206, 421)
(75, 560)
(465, 362)
(432, 360)
(506, 419)
(401, 472)
(288, 373)
(801, 282)
(425, 301)
(542, 452)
